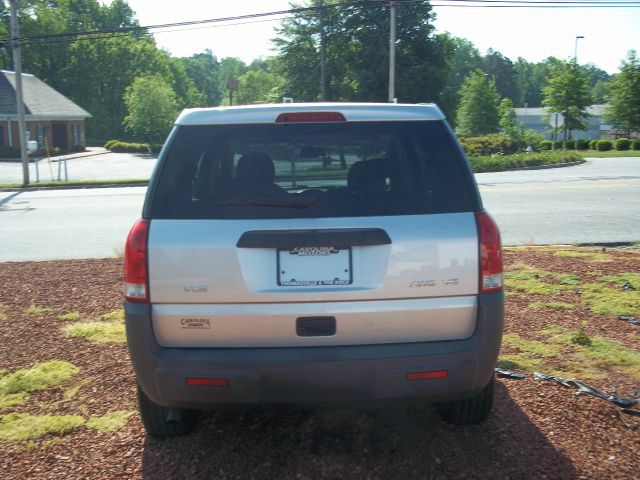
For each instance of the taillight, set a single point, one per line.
(136, 277)
(310, 117)
(490, 253)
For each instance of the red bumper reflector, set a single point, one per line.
(310, 117)
(208, 382)
(427, 375)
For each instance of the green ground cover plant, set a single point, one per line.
(36, 310)
(71, 316)
(16, 427)
(583, 356)
(532, 281)
(593, 256)
(607, 300)
(15, 387)
(109, 329)
(111, 422)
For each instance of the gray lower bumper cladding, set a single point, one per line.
(311, 375)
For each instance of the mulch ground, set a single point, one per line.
(537, 429)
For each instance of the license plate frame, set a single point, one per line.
(314, 266)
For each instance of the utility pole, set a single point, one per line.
(323, 56)
(575, 50)
(392, 51)
(17, 68)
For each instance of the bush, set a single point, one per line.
(533, 139)
(636, 144)
(582, 144)
(9, 152)
(593, 144)
(569, 145)
(557, 145)
(125, 147)
(489, 145)
(604, 145)
(155, 148)
(545, 145)
(623, 144)
(497, 163)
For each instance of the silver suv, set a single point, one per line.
(312, 254)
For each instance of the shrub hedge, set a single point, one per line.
(489, 145)
(604, 145)
(582, 144)
(131, 147)
(9, 152)
(593, 144)
(623, 144)
(120, 147)
(498, 163)
(545, 145)
(636, 144)
(569, 145)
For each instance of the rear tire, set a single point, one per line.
(154, 418)
(469, 411)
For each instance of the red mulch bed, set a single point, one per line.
(537, 430)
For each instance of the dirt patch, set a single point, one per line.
(537, 430)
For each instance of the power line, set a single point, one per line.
(183, 26)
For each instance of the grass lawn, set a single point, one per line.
(609, 154)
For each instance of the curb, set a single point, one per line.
(545, 167)
(77, 186)
(73, 157)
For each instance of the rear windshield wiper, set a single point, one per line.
(266, 202)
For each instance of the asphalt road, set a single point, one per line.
(598, 202)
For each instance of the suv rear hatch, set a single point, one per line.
(303, 232)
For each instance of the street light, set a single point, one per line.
(575, 51)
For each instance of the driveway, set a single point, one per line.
(106, 166)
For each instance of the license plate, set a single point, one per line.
(314, 266)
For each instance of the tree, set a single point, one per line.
(152, 107)
(357, 44)
(478, 111)
(624, 110)
(568, 93)
(507, 120)
(258, 86)
(501, 69)
(231, 68)
(464, 59)
(203, 69)
(115, 64)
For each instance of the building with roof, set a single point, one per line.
(51, 118)
(542, 121)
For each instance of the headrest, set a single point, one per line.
(372, 175)
(256, 167)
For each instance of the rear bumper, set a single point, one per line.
(314, 374)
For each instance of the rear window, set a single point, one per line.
(311, 170)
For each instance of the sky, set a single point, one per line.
(531, 33)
